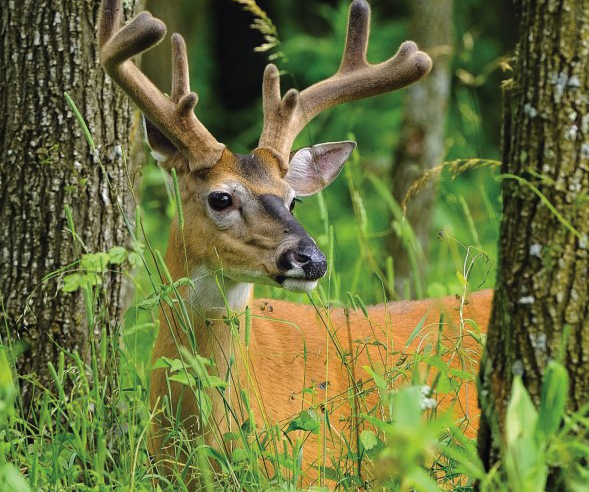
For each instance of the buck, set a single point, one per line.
(238, 229)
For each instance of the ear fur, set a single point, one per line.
(313, 168)
(162, 150)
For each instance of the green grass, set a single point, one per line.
(93, 436)
(89, 429)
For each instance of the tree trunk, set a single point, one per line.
(48, 47)
(421, 143)
(542, 281)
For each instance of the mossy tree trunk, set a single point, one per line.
(542, 283)
(46, 48)
(421, 143)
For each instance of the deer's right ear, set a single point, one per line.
(162, 150)
(313, 168)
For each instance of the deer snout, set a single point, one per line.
(305, 260)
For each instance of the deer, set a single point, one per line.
(237, 229)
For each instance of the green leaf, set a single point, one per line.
(174, 365)
(117, 255)
(445, 384)
(368, 439)
(12, 479)
(464, 375)
(461, 279)
(521, 416)
(134, 259)
(219, 457)
(72, 282)
(94, 262)
(183, 378)
(239, 454)
(306, 421)
(90, 279)
(408, 408)
(380, 382)
(554, 399)
(416, 330)
(215, 382)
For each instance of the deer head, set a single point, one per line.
(238, 208)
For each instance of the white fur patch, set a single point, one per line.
(207, 296)
(299, 285)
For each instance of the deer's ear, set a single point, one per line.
(313, 168)
(162, 150)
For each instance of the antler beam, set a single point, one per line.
(173, 116)
(355, 79)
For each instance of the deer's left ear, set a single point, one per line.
(313, 168)
(162, 150)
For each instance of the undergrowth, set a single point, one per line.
(90, 430)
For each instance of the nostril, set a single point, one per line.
(302, 259)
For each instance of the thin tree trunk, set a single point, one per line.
(542, 283)
(421, 143)
(47, 47)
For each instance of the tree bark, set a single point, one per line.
(48, 47)
(421, 143)
(542, 283)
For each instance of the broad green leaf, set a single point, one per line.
(215, 382)
(368, 439)
(521, 416)
(174, 365)
(183, 378)
(554, 399)
(134, 259)
(239, 454)
(94, 262)
(464, 375)
(117, 255)
(13, 480)
(306, 421)
(72, 282)
(408, 407)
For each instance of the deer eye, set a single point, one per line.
(220, 201)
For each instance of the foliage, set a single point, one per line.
(92, 436)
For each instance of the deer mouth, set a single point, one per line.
(296, 284)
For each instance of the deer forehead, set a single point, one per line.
(259, 173)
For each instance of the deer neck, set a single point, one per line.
(209, 296)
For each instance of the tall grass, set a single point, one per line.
(94, 435)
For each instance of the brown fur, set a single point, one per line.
(249, 242)
(272, 369)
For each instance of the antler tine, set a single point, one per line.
(180, 71)
(355, 79)
(356, 37)
(173, 117)
(278, 113)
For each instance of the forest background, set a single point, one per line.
(227, 58)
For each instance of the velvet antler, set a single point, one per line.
(284, 118)
(173, 116)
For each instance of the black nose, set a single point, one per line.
(308, 257)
